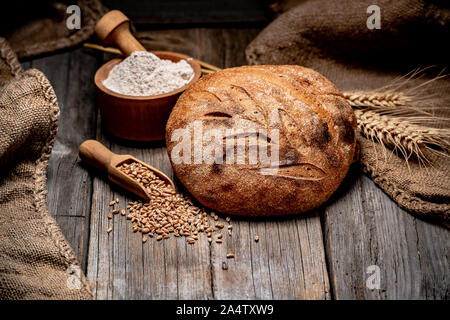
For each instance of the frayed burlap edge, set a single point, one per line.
(91, 10)
(41, 165)
(9, 57)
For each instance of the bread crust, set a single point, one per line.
(316, 142)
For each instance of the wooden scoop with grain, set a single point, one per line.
(97, 155)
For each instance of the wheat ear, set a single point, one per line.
(405, 96)
(376, 99)
(401, 134)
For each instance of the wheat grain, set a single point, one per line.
(219, 225)
(167, 213)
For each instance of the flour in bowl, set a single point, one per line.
(144, 74)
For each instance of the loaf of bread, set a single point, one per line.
(303, 128)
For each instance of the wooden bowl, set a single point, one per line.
(139, 118)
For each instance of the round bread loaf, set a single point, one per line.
(293, 114)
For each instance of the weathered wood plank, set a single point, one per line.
(287, 263)
(364, 227)
(433, 244)
(69, 185)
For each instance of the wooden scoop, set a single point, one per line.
(114, 29)
(97, 155)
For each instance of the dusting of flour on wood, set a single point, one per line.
(144, 74)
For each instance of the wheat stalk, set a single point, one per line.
(402, 135)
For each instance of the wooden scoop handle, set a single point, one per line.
(113, 29)
(96, 154)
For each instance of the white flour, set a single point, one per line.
(144, 74)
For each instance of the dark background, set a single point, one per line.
(194, 12)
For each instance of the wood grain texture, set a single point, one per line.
(69, 185)
(364, 227)
(287, 263)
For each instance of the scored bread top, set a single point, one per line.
(296, 110)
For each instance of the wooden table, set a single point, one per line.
(321, 255)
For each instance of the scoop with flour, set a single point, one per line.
(144, 74)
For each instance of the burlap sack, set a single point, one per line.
(36, 262)
(36, 27)
(332, 37)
